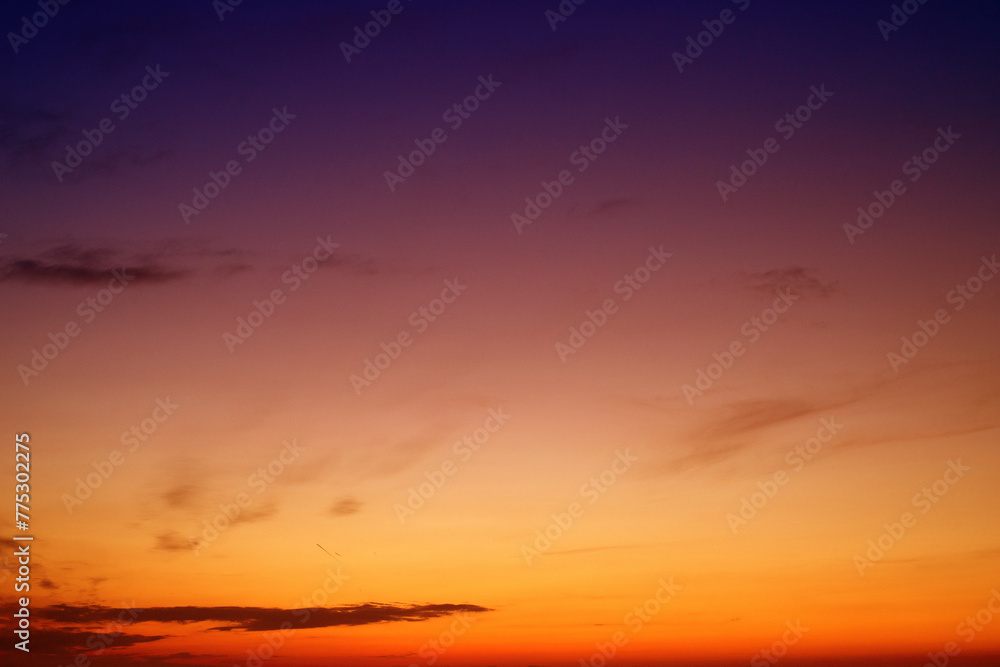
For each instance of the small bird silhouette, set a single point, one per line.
(329, 554)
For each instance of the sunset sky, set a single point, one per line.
(504, 336)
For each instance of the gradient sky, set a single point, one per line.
(651, 466)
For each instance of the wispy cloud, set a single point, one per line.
(346, 506)
(75, 263)
(743, 418)
(181, 495)
(171, 540)
(80, 266)
(611, 205)
(799, 279)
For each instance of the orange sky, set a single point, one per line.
(656, 422)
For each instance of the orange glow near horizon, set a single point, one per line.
(540, 334)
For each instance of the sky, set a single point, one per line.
(392, 334)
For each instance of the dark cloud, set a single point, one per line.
(171, 541)
(181, 495)
(69, 641)
(800, 280)
(254, 514)
(258, 619)
(77, 265)
(345, 506)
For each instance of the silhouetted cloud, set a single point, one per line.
(73, 264)
(258, 619)
(79, 264)
(69, 641)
